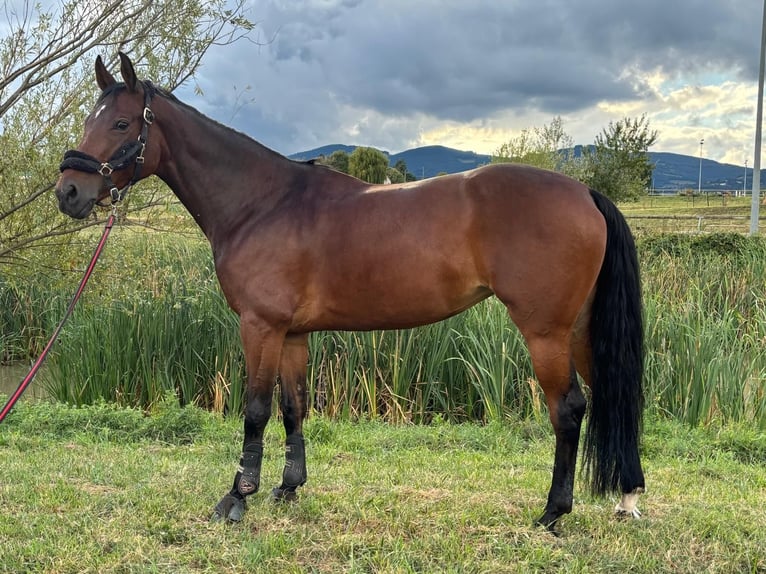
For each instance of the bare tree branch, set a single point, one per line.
(45, 65)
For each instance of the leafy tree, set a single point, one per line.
(336, 160)
(549, 147)
(401, 166)
(368, 164)
(47, 89)
(618, 165)
(393, 175)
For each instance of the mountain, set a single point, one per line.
(324, 150)
(422, 162)
(672, 172)
(435, 159)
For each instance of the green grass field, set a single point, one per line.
(107, 490)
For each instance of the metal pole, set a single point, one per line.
(699, 189)
(754, 205)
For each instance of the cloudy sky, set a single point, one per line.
(471, 74)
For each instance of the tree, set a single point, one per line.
(368, 164)
(619, 164)
(393, 175)
(337, 160)
(549, 147)
(47, 88)
(401, 166)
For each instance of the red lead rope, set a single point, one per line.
(38, 363)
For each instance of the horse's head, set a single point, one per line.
(114, 152)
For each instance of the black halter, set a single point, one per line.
(129, 153)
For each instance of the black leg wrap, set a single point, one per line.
(294, 474)
(232, 507)
(248, 477)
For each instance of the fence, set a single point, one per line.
(708, 223)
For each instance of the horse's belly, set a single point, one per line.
(386, 304)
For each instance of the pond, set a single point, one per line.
(12, 375)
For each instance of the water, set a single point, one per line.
(12, 375)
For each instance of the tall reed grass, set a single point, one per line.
(156, 322)
(467, 367)
(705, 308)
(27, 315)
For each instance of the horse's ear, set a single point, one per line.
(128, 73)
(103, 78)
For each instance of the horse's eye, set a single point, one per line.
(121, 125)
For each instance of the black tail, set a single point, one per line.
(617, 340)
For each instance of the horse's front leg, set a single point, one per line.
(262, 345)
(292, 376)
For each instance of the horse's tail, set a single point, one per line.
(616, 335)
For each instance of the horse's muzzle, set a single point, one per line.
(72, 200)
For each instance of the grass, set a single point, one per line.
(104, 489)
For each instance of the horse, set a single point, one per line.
(300, 247)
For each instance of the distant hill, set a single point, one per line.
(672, 171)
(435, 159)
(422, 162)
(324, 150)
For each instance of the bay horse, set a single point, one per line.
(301, 247)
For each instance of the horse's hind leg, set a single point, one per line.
(292, 375)
(552, 361)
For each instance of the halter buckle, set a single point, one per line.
(140, 156)
(148, 115)
(106, 169)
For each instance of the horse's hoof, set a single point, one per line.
(284, 495)
(620, 512)
(547, 522)
(627, 508)
(229, 509)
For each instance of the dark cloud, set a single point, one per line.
(460, 61)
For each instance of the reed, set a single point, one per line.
(151, 322)
(449, 368)
(155, 322)
(706, 327)
(27, 316)
(133, 352)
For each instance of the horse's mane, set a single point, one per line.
(168, 95)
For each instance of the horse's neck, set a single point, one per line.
(221, 177)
